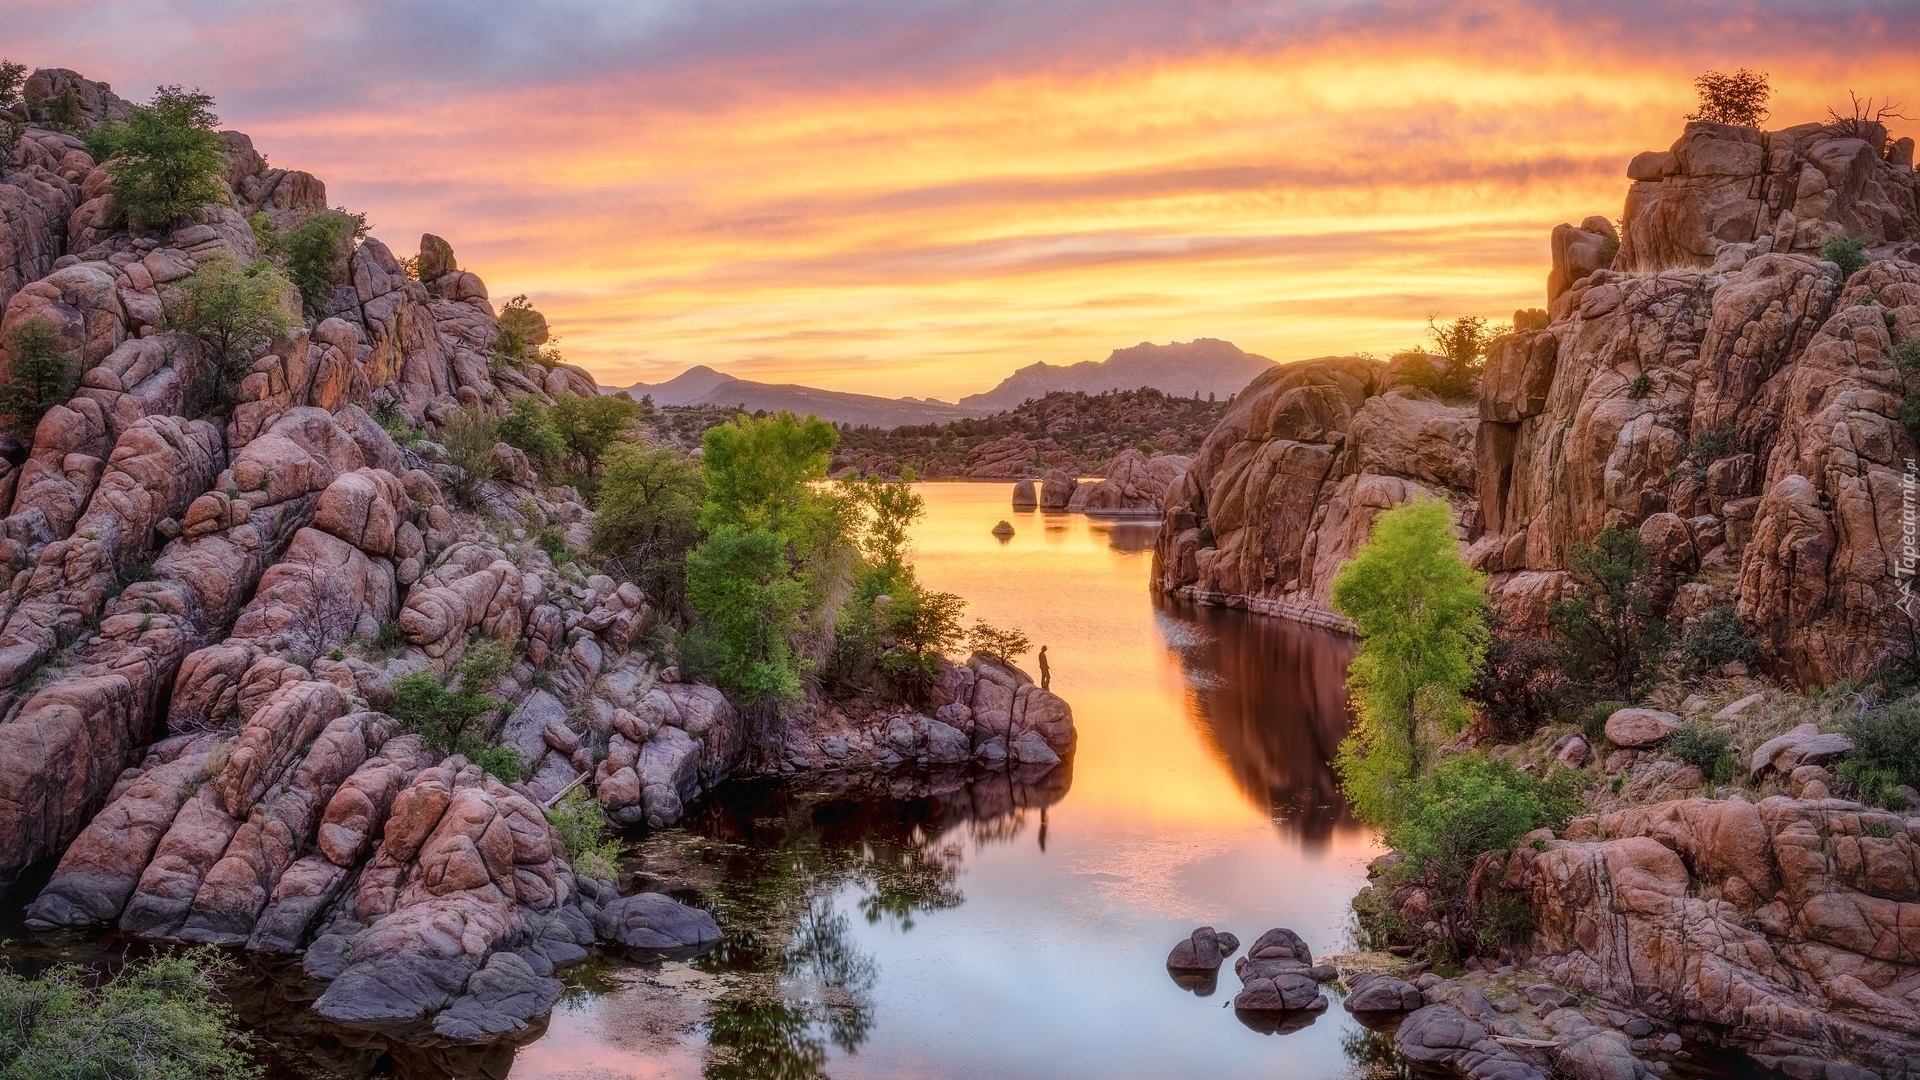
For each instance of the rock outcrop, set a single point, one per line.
(1789, 929)
(1133, 484)
(1712, 384)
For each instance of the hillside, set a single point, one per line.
(1203, 366)
(703, 385)
(1076, 432)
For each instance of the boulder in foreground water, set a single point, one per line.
(656, 922)
(1203, 950)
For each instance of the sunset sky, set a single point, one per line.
(918, 196)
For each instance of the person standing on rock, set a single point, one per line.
(1046, 673)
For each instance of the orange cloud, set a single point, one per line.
(918, 199)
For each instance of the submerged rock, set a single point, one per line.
(655, 922)
(1278, 975)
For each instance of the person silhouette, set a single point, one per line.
(1046, 673)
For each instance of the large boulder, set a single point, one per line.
(656, 922)
(1635, 729)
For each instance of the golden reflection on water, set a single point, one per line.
(1200, 794)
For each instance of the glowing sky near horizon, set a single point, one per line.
(915, 198)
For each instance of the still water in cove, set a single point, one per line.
(1013, 928)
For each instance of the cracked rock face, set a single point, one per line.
(1713, 385)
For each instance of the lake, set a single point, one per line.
(1010, 931)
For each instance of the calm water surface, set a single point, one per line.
(1018, 930)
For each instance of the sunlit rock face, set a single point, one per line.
(1711, 384)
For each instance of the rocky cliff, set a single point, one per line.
(204, 617)
(1704, 378)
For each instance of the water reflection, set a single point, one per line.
(1270, 697)
(783, 869)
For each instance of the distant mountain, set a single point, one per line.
(704, 386)
(1203, 365)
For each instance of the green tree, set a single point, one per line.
(527, 428)
(760, 471)
(313, 251)
(649, 518)
(749, 600)
(166, 160)
(1849, 254)
(12, 75)
(1607, 629)
(160, 1018)
(590, 425)
(1001, 644)
(1420, 610)
(42, 375)
(888, 509)
(1739, 98)
(235, 312)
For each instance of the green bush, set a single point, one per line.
(43, 375)
(581, 825)
(1467, 806)
(1846, 252)
(235, 312)
(648, 518)
(1711, 445)
(1593, 722)
(1607, 630)
(452, 717)
(1519, 683)
(12, 75)
(749, 600)
(1705, 748)
(1717, 638)
(503, 763)
(589, 426)
(166, 160)
(312, 251)
(526, 428)
(1737, 98)
(1886, 753)
(1640, 387)
(469, 441)
(1003, 645)
(160, 1018)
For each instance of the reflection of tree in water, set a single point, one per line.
(785, 862)
(1271, 696)
(1373, 1056)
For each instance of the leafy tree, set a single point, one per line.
(235, 312)
(155, 1019)
(1608, 631)
(1420, 610)
(11, 76)
(166, 160)
(1002, 645)
(521, 330)
(527, 428)
(451, 717)
(749, 600)
(313, 250)
(469, 439)
(42, 375)
(590, 425)
(649, 518)
(890, 508)
(1739, 98)
(758, 471)
(917, 625)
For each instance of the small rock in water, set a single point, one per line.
(655, 922)
(1203, 950)
(1003, 530)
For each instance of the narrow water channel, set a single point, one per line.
(1018, 929)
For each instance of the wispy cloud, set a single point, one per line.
(916, 198)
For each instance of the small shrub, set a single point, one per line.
(12, 75)
(503, 763)
(526, 428)
(451, 717)
(648, 518)
(1711, 445)
(1880, 830)
(1519, 683)
(390, 639)
(581, 825)
(1205, 538)
(43, 376)
(1717, 638)
(1607, 630)
(1886, 753)
(234, 312)
(1739, 98)
(312, 252)
(1003, 645)
(1705, 748)
(1593, 722)
(1847, 253)
(160, 1018)
(1640, 387)
(469, 440)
